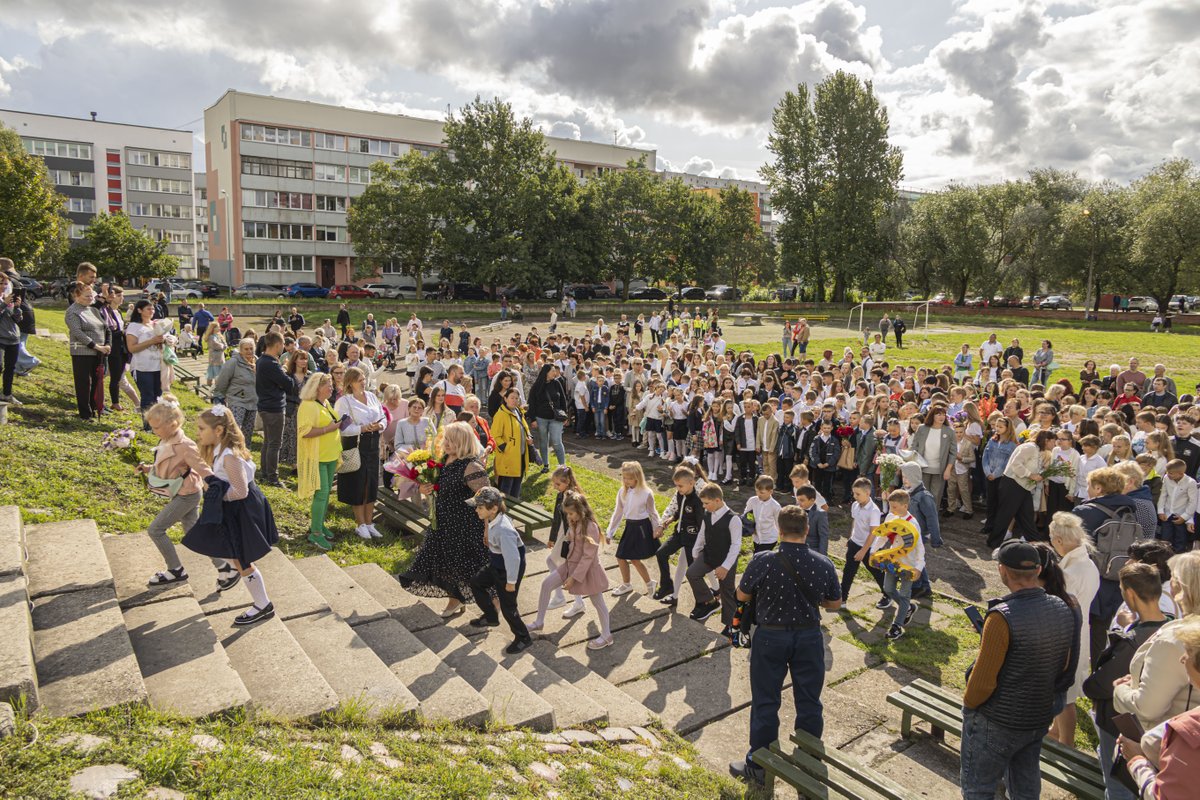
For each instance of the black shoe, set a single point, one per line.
(895, 632)
(705, 610)
(485, 622)
(230, 580)
(748, 772)
(663, 590)
(670, 600)
(255, 614)
(518, 646)
(726, 632)
(884, 603)
(908, 615)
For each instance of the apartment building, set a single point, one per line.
(766, 217)
(282, 173)
(111, 167)
(200, 217)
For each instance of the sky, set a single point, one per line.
(976, 90)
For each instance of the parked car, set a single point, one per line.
(975, 302)
(256, 290)
(941, 299)
(348, 291)
(1183, 302)
(1057, 302)
(304, 290)
(1144, 304)
(1000, 301)
(723, 292)
(600, 291)
(33, 289)
(648, 293)
(786, 294)
(382, 290)
(691, 293)
(205, 288)
(177, 289)
(58, 287)
(1030, 301)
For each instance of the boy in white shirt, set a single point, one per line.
(898, 581)
(765, 510)
(1177, 507)
(799, 478)
(865, 516)
(581, 402)
(1089, 461)
(717, 548)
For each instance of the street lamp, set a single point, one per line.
(1089, 308)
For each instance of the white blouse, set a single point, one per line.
(360, 413)
(633, 504)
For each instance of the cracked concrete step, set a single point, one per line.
(345, 597)
(511, 702)
(290, 592)
(280, 677)
(572, 707)
(133, 558)
(12, 541)
(185, 668)
(350, 666)
(623, 710)
(85, 661)
(18, 676)
(65, 557)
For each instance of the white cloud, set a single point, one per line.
(10, 68)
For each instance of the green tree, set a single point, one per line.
(1094, 234)
(1051, 192)
(397, 219)
(796, 176)
(948, 236)
(33, 228)
(1164, 230)
(117, 248)
(683, 236)
(743, 250)
(564, 245)
(1000, 207)
(627, 204)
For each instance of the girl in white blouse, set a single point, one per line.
(635, 507)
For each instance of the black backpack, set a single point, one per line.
(1112, 538)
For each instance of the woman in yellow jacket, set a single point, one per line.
(318, 452)
(513, 443)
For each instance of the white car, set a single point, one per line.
(1144, 304)
(178, 290)
(383, 290)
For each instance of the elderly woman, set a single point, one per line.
(363, 419)
(1164, 762)
(454, 552)
(318, 452)
(236, 387)
(1071, 542)
(1157, 687)
(88, 341)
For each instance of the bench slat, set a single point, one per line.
(859, 778)
(777, 765)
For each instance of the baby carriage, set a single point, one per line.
(232, 337)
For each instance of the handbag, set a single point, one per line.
(560, 415)
(846, 457)
(351, 459)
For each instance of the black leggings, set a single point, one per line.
(1014, 504)
(89, 385)
(10, 353)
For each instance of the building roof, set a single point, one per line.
(97, 121)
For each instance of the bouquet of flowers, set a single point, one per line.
(957, 417)
(843, 432)
(1025, 435)
(1057, 468)
(889, 468)
(122, 441)
(416, 468)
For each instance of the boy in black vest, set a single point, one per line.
(686, 510)
(717, 549)
(745, 434)
(822, 459)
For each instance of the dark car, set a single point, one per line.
(723, 292)
(600, 291)
(469, 291)
(786, 293)
(305, 290)
(1057, 302)
(347, 291)
(1000, 301)
(690, 293)
(206, 288)
(648, 293)
(33, 289)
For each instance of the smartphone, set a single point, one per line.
(975, 616)
(344, 422)
(1128, 726)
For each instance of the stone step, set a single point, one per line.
(345, 597)
(185, 668)
(18, 675)
(623, 710)
(280, 677)
(133, 558)
(572, 708)
(290, 592)
(442, 694)
(12, 541)
(85, 661)
(350, 666)
(624, 612)
(511, 702)
(65, 557)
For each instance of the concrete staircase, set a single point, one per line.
(80, 630)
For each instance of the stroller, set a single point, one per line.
(232, 337)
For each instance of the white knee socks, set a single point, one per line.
(257, 589)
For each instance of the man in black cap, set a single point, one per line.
(1027, 656)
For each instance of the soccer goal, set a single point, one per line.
(879, 307)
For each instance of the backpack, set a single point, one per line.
(1113, 538)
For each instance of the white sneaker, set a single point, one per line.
(574, 611)
(624, 588)
(375, 534)
(650, 587)
(363, 532)
(557, 600)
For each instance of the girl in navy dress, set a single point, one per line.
(635, 507)
(237, 524)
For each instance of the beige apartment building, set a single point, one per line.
(282, 173)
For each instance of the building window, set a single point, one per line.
(77, 231)
(359, 174)
(81, 205)
(329, 172)
(274, 230)
(393, 268)
(330, 233)
(140, 183)
(173, 237)
(161, 210)
(262, 199)
(272, 135)
(376, 147)
(332, 202)
(50, 147)
(65, 177)
(276, 168)
(328, 141)
(266, 261)
(153, 158)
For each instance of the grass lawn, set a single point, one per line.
(1114, 344)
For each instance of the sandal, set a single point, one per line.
(230, 579)
(255, 614)
(599, 643)
(170, 576)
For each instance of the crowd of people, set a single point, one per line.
(1086, 489)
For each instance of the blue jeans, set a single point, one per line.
(991, 752)
(503, 312)
(773, 655)
(600, 429)
(1174, 534)
(921, 584)
(1113, 788)
(149, 386)
(899, 588)
(549, 434)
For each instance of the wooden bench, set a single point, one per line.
(495, 326)
(532, 516)
(406, 517)
(809, 317)
(189, 378)
(822, 773)
(1062, 766)
(744, 318)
